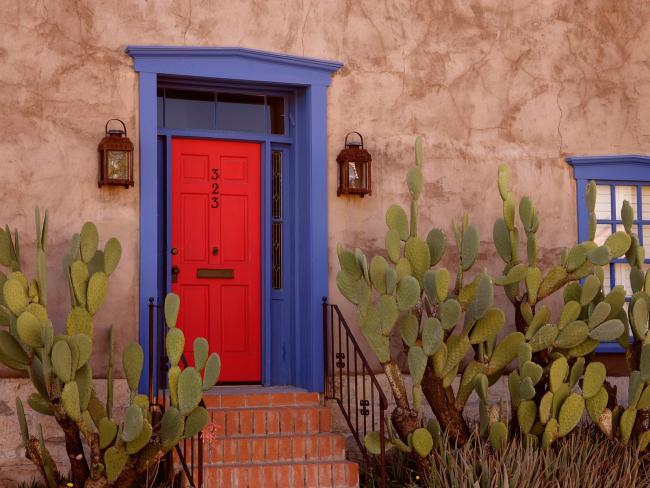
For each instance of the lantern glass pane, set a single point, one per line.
(357, 175)
(186, 109)
(241, 112)
(117, 165)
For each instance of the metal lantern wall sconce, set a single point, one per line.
(354, 168)
(115, 157)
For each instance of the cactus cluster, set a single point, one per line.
(58, 365)
(450, 326)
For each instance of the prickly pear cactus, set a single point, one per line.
(121, 450)
(449, 326)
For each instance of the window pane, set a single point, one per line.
(276, 114)
(276, 184)
(622, 277)
(276, 255)
(240, 112)
(606, 282)
(625, 193)
(603, 202)
(189, 109)
(602, 233)
(646, 240)
(645, 202)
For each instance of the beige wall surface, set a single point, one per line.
(484, 81)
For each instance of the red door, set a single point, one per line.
(216, 250)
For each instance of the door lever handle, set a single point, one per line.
(175, 272)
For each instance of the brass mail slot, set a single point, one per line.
(215, 273)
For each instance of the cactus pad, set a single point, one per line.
(96, 294)
(457, 346)
(498, 435)
(545, 405)
(40, 404)
(552, 281)
(422, 442)
(388, 313)
(417, 362)
(640, 317)
(115, 459)
(570, 312)
(532, 370)
(30, 330)
(133, 421)
(469, 247)
(526, 415)
(576, 372)
(70, 400)
(501, 238)
(436, 242)
(212, 371)
(393, 244)
(112, 255)
(107, 432)
(618, 243)
(171, 428)
(408, 292)
(15, 296)
(599, 314)
(627, 423)
(190, 390)
(175, 344)
(417, 253)
(378, 267)
(79, 278)
(62, 361)
(432, 334)
(79, 321)
(544, 337)
(590, 288)
(172, 378)
(201, 350)
(570, 413)
(396, 220)
(607, 331)
(488, 326)
(558, 373)
(593, 380)
(505, 351)
(195, 422)
(132, 362)
(572, 335)
(450, 312)
(409, 330)
(137, 444)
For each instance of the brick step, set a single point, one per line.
(337, 474)
(235, 400)
(311, 447)
(262, 421)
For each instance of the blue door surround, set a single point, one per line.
(309, 78)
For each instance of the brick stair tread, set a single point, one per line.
(317, 474)
(262, 421)
(262, 400)
(276, 448)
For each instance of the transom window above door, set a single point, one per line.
(221, 110)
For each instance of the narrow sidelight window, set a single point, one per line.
(276, 220)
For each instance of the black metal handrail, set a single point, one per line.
(360, 401)
(190, 457)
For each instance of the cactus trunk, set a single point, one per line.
(441, 400)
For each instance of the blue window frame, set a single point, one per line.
(618, 178)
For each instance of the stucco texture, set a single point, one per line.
(484, 82)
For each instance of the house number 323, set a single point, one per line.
(214, 200)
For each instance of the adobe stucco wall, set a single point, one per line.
(485, 82)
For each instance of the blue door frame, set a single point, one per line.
(309, 78)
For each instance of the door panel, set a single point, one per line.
(216, 226)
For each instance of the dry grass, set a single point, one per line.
(584, 459)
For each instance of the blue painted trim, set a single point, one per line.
(310, 78)
(624, 167)
(149, 277)
(612, 170)
(232, 63)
